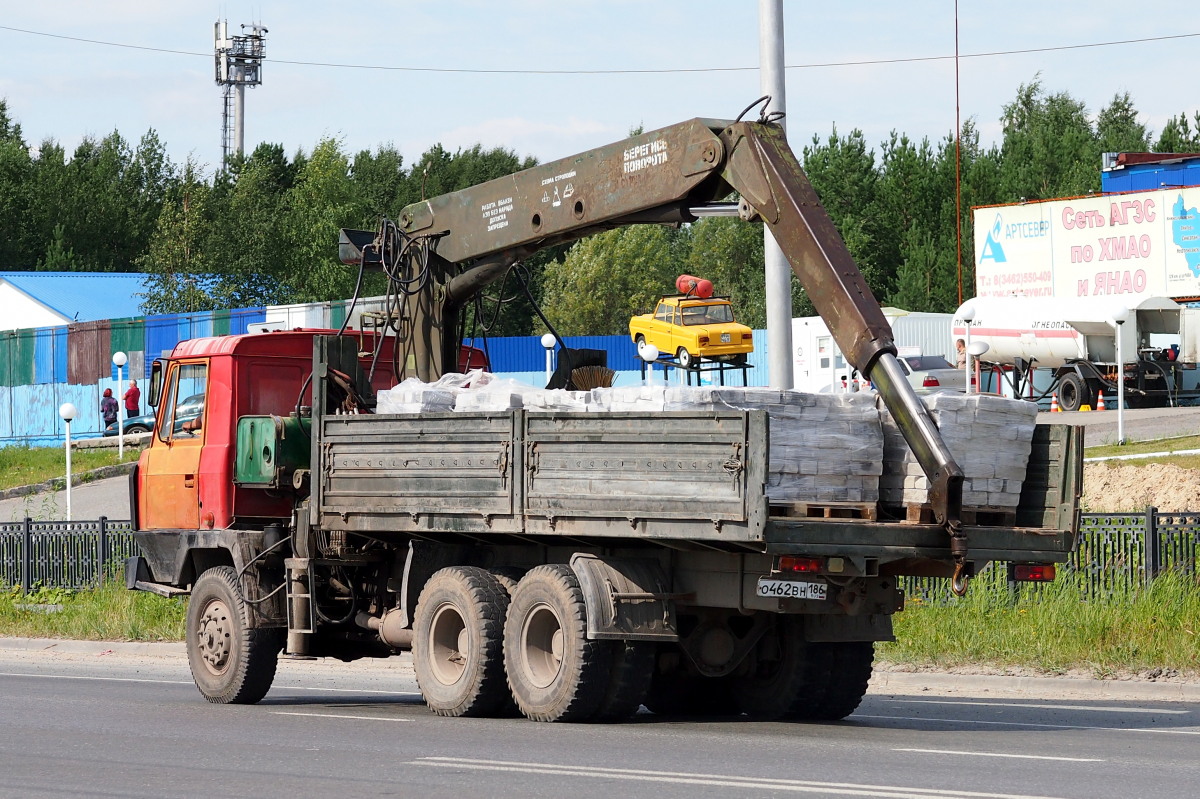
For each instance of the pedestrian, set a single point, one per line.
(133, 398)
(108, 407)
(960, 347)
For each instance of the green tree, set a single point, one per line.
(183, 277)
(318, 205)
(842, 171)
(1050, 148)
(16, 179)
(607, 278)
(1179, 136)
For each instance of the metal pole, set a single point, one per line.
(1120, 385)
(68, 423)
(778, 271)
(103, 554)
(967, 360)
(1151, 543)
(120, 415)
(239, 116)
(26, 555)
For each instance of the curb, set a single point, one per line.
(909, 683)
(896, 683)
(79, 478)
(68, 646)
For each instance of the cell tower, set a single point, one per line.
(239, 64)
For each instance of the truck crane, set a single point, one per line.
(502, 548)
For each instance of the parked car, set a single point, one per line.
(930, 373)
(190, 409)
(927, 374)
(691, 329)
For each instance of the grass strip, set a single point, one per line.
(22, 466)
(1057, 628)
(108, 613)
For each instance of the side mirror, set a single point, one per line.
(154, 390)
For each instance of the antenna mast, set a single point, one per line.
(238, 65)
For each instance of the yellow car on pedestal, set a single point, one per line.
(694, 328)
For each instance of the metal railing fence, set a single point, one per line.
(71, 555)
(1116, 552)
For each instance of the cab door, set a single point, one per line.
(170, 499)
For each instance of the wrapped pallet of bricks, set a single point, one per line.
(825, 448)
(989, 437)
(628, 398)
(413, 396)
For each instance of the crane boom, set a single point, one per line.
(448, 248)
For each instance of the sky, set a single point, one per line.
(550, 78)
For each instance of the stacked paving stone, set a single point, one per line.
(825, 448)
(989, 437)
(413, 396)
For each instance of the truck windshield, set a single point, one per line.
(707, 314)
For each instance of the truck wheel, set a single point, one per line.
(629, 675)
(1073, 392)
(848, 665)
(784, 672)
(685, 358)
(554, 672)
(457, 642)
(231, 662)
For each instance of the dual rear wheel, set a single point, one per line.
(477, 651)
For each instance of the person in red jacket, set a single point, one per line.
(133, 398)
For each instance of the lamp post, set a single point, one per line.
(967, 313)
(548, 342)
(67, 412)
(120, 359)
(1119, 317)
(974, 351)
(649, 354)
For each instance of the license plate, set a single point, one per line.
(725, 339)
(791, 589)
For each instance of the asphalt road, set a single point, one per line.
(107, 724)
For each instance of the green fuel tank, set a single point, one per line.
(270, 449)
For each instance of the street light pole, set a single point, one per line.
(548, 342)
(120, 359)
(649, 354)
(1118, 321)
(967, 314)
(67, 411)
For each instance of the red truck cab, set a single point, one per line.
(186, 476)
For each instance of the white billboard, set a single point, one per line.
(1144, 244)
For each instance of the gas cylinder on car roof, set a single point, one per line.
(695, 286)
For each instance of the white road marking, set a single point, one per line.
(935, 719)
(1001, 754)
(277, 687)
(1100, 708)
(337, 716)
(712, 780)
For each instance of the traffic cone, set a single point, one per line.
(1100, 401)
(1054, 404)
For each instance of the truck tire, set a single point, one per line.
(781, 674)
(458, 642)
(554, 672)
(1073, 392)
(629, 675)
(848, 666)
(231, 662)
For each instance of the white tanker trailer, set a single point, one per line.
(1039, 346)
